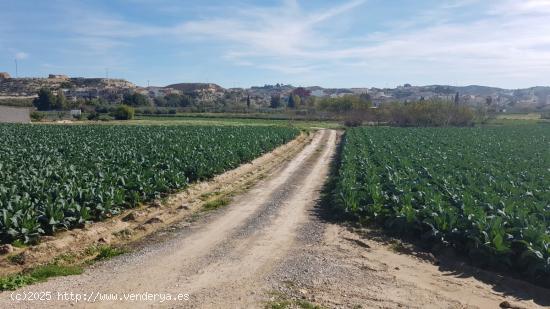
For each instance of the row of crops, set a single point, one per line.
(483, 191)
(58, 177)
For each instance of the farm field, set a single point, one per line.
(483, 191)
(212, 120)
(57, 177)
(271, 245)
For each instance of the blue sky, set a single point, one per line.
(353, 43)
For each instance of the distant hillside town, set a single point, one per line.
(208, 95)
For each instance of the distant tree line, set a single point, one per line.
(276, 101)
(135, 99)
(434, 113)
(352, 108)
(299, 97)
(359, 109)
(174, 100)
(345, 103)
(47, 100)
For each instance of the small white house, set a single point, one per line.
(318, 93)
(76, 113)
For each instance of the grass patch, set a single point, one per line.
(229, 120)
(205, 196)
(62, 265)
(125, 233)
(19, 244)
(278, 304)
(18, 259)
(285, 303)
(216, 203)
(397, 246)
(280, 301)
(13, 282)
(42, 273)
(66, 258)
(104, 252)
(307, 305)
(37, 274)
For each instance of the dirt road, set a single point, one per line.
(271, 246)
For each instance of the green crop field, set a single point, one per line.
(57, 177)
(483, 191)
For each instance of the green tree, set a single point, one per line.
(135, 99)
(177, 100)
(124, 112)
(248, 101)
(96, 102)
(173, 99)
(160, 101)
(344, 104)
(275, 101)
(366, 97)
(297, 100)
(45, 100)
(60, 102)
(67, 85)
(291, 101)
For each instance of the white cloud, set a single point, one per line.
(21, 55)
(286, 39)
(504, 41)
(283, 31)
(453, 4)
(522, 7)
(501, 43)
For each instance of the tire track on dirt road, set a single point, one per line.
(236, 280)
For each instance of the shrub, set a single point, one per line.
(93, 116)
(105, 117)
(344, 104)
(103, 109)
(354, 119)
(428, 114)
(37, 116)
(136, 99)
(45, 101)
(123, 112)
